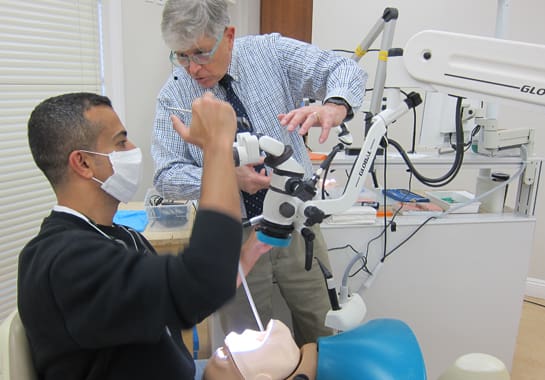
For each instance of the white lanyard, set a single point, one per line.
(70, 211)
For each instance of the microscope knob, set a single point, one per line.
(314, 215)
(287, 210)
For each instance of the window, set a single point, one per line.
(47, 47)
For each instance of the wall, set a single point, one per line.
(137, 60)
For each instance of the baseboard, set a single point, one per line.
(535, 287)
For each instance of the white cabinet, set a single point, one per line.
(459, 282)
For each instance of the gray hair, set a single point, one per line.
(185, 21)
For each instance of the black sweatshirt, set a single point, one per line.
(96, 308)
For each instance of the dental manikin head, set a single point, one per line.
(262, 355)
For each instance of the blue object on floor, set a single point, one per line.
(136, 219)
(381, 349)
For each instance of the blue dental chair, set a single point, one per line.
(381, 349)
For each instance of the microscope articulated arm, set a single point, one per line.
(365, 158)
(289, 203)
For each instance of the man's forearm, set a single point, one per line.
(219, 186)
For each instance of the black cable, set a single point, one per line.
(367, 121)
(352, 51)
(410, 185)
(474, 132)
(362, 257)
(324, 191)
(326, 164)
(413, 142)
(362, 267)
(414, 232)
(410, 236)
(366, 126)
(458, 159)
(384, 180)
(350, 174)
(382, 232)
(344, 247)
(343, 51)
(472, 136)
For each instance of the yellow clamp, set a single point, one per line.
(383, 55)
(360, 52)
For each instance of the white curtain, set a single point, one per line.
(47, 47)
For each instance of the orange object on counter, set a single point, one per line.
(380, 212)
(317, 156)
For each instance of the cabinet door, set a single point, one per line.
(291, 18)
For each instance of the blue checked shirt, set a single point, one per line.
(272, 74)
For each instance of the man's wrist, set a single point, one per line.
(218, 147)
(341, 102)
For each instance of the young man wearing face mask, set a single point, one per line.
(95, 299)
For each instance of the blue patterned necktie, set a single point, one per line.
(252, 202)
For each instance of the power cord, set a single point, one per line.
(361, 255)
(458, 158)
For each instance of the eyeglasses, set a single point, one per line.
(182, 60)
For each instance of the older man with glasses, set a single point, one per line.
(265, 78)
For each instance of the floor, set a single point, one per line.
(529, 361)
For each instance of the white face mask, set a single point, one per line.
(127, 167)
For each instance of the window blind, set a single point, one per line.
(47, 47)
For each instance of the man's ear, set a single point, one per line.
(78, 163)
(230, 35)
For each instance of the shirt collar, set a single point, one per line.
(70, 211)
(233, 69)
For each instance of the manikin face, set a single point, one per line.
(208, 75)
(265, 355)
